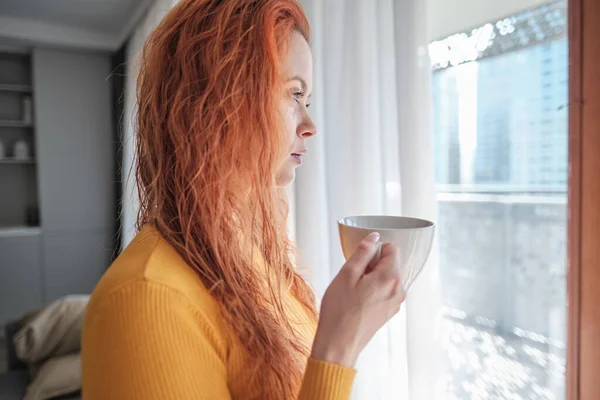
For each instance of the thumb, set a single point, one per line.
(365, 251)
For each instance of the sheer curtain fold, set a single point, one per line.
(374, 155)
(418, 191)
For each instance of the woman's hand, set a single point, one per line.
(356, 304)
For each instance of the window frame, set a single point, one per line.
(583, 355)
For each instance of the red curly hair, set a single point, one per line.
(209, 145)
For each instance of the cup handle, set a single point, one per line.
(375, 259)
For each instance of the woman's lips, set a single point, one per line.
(297, 157)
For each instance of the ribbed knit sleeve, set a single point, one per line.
(325, 381)
(145, 340)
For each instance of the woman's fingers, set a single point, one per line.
(389, 250)
(355, 267)
(398, 294)
(385, 279)
(395, 298)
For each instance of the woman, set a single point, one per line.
(205, 302)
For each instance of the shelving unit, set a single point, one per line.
(18, 180)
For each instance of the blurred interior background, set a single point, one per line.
(457, 113)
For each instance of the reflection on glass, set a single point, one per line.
(500, 125)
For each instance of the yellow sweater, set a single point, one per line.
(152, 331)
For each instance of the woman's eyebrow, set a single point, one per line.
(299, 79)
(302, 83)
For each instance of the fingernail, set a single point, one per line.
(373, 237)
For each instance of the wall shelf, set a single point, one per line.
(7, 87)
(14, 124)
(15, 161)
(14, 231)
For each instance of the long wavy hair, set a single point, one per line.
(209, 144)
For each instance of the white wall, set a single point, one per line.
(447, 17)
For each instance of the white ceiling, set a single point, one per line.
(105, 15)
(103, 24)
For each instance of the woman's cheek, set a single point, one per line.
(291, 121)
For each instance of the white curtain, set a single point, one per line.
(374, 155)
(130, 202)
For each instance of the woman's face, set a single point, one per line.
(297, 88)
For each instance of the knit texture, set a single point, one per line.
(153, 331)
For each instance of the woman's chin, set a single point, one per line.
(286, 177)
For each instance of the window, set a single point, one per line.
(501, 160)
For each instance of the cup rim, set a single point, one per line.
(428, 224)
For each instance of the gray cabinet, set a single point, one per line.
(73, 264)
(76, 164)
(74, 140)
(21, 278)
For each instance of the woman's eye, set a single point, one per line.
(297, 96)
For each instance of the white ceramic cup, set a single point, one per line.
(413, 237)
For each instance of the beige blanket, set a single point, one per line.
(49, 341)
(56, 377)
(52, 332)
